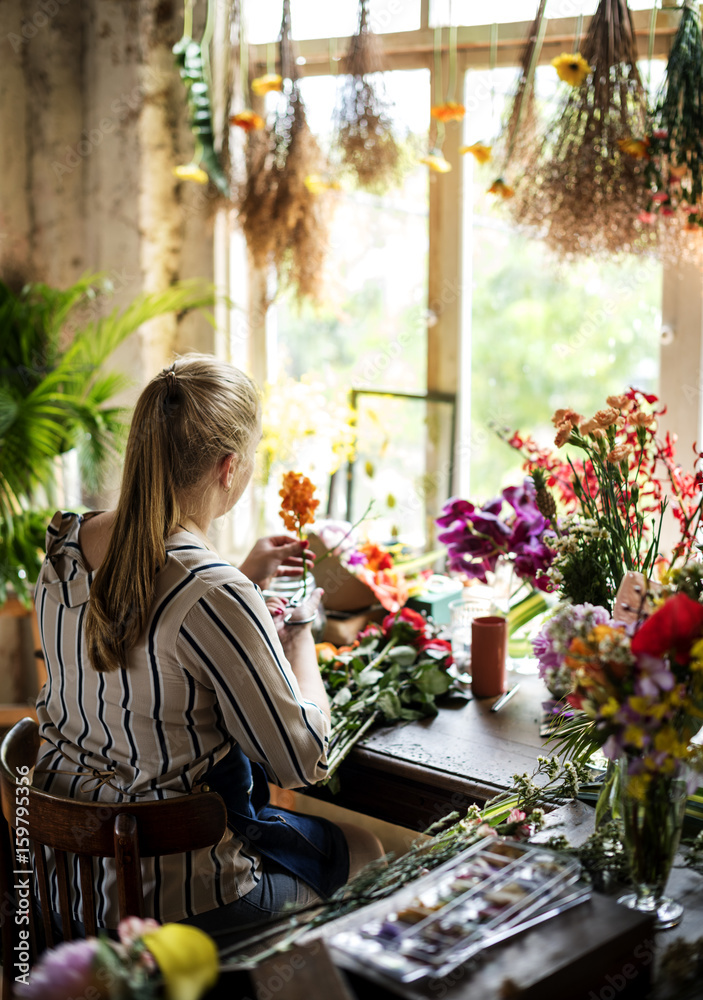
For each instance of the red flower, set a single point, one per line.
(408, 617)
(438, 646)
(672, 628)
(372, 629)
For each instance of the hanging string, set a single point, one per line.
(577, 33)
(188, 18)
(492, 60)
(438, 86)
(271, 58)
(650, 51)
(243, 61)
(453, 45)
(537, 41)
(205, 42)
(332, 51)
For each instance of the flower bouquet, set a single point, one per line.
(150, 961)
(637, 693)
(392, 671)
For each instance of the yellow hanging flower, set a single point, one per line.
(637, 148)
(435, 161)
(450, 111)
(316, 184)
(248, 120)
(187, 958)
(191, 172)
(572, 68)
(266, 84)
(500, 188)
(478, 150)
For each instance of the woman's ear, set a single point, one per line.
(228, 471)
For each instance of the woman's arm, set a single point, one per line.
(299, 647)
(276, 555)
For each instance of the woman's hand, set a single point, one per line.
(277, 555)
(289, 632)
(299, 647)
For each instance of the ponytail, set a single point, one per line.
(185, 420)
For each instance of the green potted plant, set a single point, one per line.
(55, 397)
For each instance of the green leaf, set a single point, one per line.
(403, 655)
(434, 681)
(368, 677)
(342, 697)
(389, 703)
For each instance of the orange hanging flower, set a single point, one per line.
(450, 111)
(500, 188)
(248, 120)
(481, 153)
(638, 149)
(297, 504)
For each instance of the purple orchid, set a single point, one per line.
(476, 537)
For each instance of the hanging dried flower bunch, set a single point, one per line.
(672, 151)
(364, 130)
(521, 134)
(284, 207)
(581, 190)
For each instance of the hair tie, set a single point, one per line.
(171, 383)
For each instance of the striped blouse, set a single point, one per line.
(208, 672)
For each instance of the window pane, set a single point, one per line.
(546, 332)
(469, 12)
(327, 19)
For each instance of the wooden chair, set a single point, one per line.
(125, 832)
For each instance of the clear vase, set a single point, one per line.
(652, 817)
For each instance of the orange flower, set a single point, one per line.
(376, 557)
(435, 161)
(297, 504)
(619, 453)
(563, 434)
(248, 120)
(500, 188)
(606, 417)
(566, 416)
(618, 402)
(450, 111)
(481, 153)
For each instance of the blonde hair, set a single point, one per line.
(186, 420)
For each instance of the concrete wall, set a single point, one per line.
(92, 121)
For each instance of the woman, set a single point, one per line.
(167, 671)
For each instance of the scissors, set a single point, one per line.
(293, 603)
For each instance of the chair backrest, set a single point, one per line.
(126, 832)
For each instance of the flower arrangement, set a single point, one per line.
(150, 961)
(298, 507)
(616, 496)
(644, 693)
(510, 526)
(551, 645)
(392, 671)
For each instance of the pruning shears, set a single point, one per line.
(294, 603)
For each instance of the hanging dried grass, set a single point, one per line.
(672, 151)
(284, 215)
(582, 191)
(521, 136)
(364, 130)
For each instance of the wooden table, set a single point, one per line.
(414, 774)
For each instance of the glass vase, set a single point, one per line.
(652, 816)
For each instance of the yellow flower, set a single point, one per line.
(450, 111)
(636, 148)
(316, 184)
(610, 708)
(191, 172)
(435, 161)
(266, 84)
(187, 958)
(634, 736)
(248, 120)
(639, 704)
(499, 187)
(479, 151)
(572, 68)
(667, 741)
(638, 784)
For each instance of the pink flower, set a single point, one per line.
(660, 133)
(516, 816)
(660, 197)
(649, 218)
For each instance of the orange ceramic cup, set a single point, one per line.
(489, 643)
